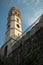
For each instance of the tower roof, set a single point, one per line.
(14, 8)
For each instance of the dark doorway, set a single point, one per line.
(5, 51)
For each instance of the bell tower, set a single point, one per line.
(14, 28)
(13, 31)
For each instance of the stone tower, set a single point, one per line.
(13, 31)
(14, 28)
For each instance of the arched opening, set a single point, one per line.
(17, 20)
(5, 51)
(18, 26)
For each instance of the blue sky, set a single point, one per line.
(30, 11)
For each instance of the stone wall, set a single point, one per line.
(31, 51)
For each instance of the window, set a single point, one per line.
(17, 20)
(18, 26)
(8, 26)
(5, 51)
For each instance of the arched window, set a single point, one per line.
(5, 51)
(18, 26)
(17, 20)
(8, 26)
